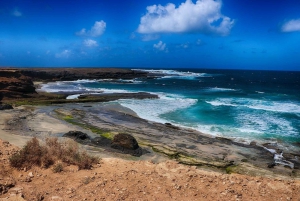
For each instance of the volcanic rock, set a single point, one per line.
(6, 107)
(124, 141)
(78, 136)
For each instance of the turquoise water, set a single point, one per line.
(244, 105)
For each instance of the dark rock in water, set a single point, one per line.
(253, 143)
(6, 107)
(168, 124)
(124, 141)
(271, 165)
(77, 135)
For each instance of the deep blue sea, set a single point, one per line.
(244, 105)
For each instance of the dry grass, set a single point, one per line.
(35, 154)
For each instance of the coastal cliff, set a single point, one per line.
(18, 83)
(14, 84)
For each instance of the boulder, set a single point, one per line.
(124, 141)
(77, 135)
(6, 107)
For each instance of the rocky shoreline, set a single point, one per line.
(96, 119)
(18, 83)
(214, 168)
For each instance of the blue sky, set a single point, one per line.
(231, 34)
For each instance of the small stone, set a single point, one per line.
(30, 174)
(57, 198)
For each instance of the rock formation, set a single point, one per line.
(13, 84)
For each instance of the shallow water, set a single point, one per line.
(244, 105)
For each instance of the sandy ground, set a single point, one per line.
(117, 179)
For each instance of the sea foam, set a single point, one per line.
(175, 74)
(274, 106)
(152, 109)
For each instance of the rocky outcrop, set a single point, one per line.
(127, 144)
(13, 84)
(18, 83)
(117, 96)
(77, 135)
(5, 107)
(67, 74)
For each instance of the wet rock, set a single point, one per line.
(253, 143)
(76, 135)
(6, 107)
(124, 141)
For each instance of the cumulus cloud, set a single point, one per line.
(204, 16)
(63, 54)
(96, 30)
(291, 26)
(16, 13)
(160, 46)
(90, 43)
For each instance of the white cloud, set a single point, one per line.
(90, 43)
(290, 26)
(160, 46)
(16, 13)
(63, 54)
(204, 16)
(96, 30)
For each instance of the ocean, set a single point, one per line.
(242, 105)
